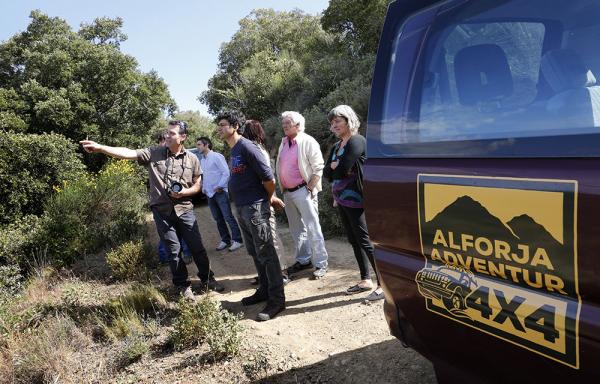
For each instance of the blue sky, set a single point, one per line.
(180, 39)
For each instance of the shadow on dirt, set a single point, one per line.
(385, 362)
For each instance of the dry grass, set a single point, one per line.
(45, 332)
(46, 354)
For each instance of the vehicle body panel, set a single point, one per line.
(544, 329)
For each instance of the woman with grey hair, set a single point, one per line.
(344, 169)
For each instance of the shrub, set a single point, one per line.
(94, 211)
(123, 323)
(331, 224)
(206, 321)
(31, 165)
(131, 313)
(10, 279)
(130, 350)
(224, 337)
(8, 318)
(127, 260)
(27, 308)
(142, 298)
(21, 239)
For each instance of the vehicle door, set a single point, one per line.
(483, 147)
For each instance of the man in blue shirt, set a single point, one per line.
(253, 188)
(214, 186)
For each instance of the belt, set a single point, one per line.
(297, 187)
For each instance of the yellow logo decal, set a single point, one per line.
(500, 256)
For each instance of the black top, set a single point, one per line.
(349, 170)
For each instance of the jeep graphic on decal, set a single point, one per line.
(449, 284)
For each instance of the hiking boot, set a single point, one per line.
(270, 311)
(297, 267)
(254, 299)
(186, 293)
(235, 246)
(221, 246)
(319, 273)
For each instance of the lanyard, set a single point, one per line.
(167, 173)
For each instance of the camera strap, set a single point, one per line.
(167, 173)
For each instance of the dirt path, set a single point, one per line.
(324, 336)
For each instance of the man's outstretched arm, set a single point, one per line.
(117, 152)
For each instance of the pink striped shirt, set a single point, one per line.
(289, 172)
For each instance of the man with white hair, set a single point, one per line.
(299, 170)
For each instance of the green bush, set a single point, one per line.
(132, 314)
(142, 298)
(10, 279)
(130, 350)
(331, 224)
(127, 260)
(95, 211)
(31, 165)
(21, 240)
(206, 321)
(83, 215)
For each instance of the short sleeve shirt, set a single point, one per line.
(164, 168)
(249, 169)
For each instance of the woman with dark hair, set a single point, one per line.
(344, 168)
(254, 132)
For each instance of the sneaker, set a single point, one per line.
(375, 295)
(297, 267)
(254, 299)
(319, 273)
(235, 246)
(221, 246)
(270, 311)
(212, 285)
(286, 278)
(186, 293)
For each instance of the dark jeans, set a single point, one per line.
(221, 212)
(256, 230)
(170, 229)
(358, 236)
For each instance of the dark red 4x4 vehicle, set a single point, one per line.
(482, 186)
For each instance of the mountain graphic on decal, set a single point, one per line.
(528, 230)
(467, 216)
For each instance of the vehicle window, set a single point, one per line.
(503, 72)
(478, 75)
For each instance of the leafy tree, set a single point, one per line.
(104, 31)
(264, 66)
(30, 166)
(357, 22)
(292, 61)
(78, 84)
